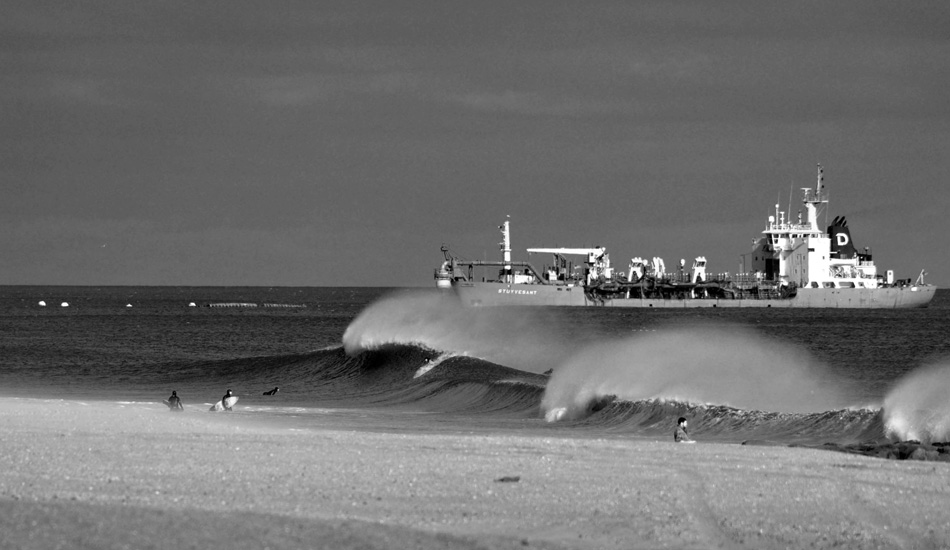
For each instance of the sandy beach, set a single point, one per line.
(107, 475)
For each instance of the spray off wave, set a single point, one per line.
(699, 364)
(522, 339)
(917, 408)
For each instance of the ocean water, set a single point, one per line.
(789, 376)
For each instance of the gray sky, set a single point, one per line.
(341, 143)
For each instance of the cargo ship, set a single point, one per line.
(792, 264)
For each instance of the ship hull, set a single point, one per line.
(500, 294)
(845, 298)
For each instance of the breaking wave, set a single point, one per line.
(529, 340)
(733, 383)
(917, 408)
(699, 364)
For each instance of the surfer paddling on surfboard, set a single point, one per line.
(174, 403)
(681, 435)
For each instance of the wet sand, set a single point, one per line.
(106, 475)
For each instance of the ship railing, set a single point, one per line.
(789, 227)
(676, 278)
(742, 281)
(811, 195)
(470, 267)
(666, 278)
(752, 278)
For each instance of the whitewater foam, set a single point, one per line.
(917, 408)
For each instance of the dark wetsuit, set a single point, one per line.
(174, 403)
(680, 435)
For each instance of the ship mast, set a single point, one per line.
(813, 199)
(506, 249)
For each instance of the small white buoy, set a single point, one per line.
(64, 304)
(128, 305)
(192, 304)
(42, 303)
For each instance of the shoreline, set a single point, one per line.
(305, 417)
(80, 472)
(408, 419)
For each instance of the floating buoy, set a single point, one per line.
(42, 303)
(64, 304)
(128, 305)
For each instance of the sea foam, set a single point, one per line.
(917, 408)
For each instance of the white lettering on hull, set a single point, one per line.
(515, 291)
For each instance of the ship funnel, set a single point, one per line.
(841, 244)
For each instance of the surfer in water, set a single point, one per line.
(224, 400)
(681, 435)
(174, 403)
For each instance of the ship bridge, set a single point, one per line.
(802, 253)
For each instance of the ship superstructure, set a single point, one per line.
(802, 254)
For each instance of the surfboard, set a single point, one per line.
(222, 405)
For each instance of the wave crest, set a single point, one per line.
(519, 338)
(698, 364)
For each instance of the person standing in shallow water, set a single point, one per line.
(681, 435)
(174, 403)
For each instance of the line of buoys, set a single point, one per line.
(42, 303)
(253, 304)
